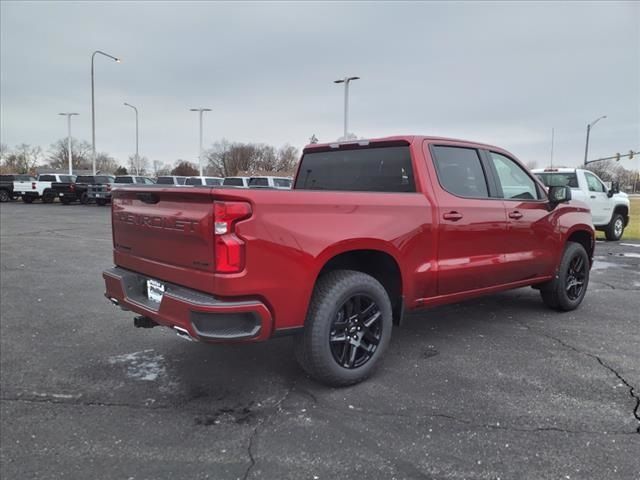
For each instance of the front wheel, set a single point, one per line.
(101, 202)
(566, 291)
(615, 229)
(4, 196)
(347, 330)
(65, 200)
(48, 197)
(27, 199)
(84, 198)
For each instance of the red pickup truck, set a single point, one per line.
(370, 230)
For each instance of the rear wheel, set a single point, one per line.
(4, 196)
(48, 197)
(27, 199)
(84, 198)
(347, 330)
(101, 202)
(615, 229)
(65, 200)
(566, 291)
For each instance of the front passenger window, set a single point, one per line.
(515, 183)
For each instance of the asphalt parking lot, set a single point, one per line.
(498, 387)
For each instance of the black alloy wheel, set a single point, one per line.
(355, 332)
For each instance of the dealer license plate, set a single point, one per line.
(155, 290)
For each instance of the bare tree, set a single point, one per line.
(185, 169)
(22, 159)
(105, 163)
(138, 166)
(605, 169)
(80, 154)
(159, 168)
(287, 160)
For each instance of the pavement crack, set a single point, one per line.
(631, 389)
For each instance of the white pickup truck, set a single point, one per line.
(609, 206)
(32, 189)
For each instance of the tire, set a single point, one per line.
(567, 290)
(615, 229)
(84, 198)
(4, 196)
(65, 200)
(48, 197)
(101, 202)
(347, 329)
(27, 199)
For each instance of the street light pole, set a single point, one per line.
(93, 107)
(69, 115)
(346, 81)
(201, 110)
(586, 145)
(137, 165)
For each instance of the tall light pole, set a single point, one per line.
(346, 81)
(586, 146)
(201, 110)
(137, 153)
(69, 115)
(93, 107)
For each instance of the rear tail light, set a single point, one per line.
(72, 187)
(229, 248)
(108, 187)
(33, 185)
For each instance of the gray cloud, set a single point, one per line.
(502, 73)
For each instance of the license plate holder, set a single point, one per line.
(155, 290)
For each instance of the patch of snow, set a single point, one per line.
(144, 365)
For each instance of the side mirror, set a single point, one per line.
(559, 195)
(615, 188)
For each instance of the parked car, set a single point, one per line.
(77, 190)
(283, 183)
(210, 181)
(242, 182)
(371, 230)
(171, 180)
(610, 208)
(6, 186)
(101, 192)
(40, 189)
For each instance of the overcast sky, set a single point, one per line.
(502, 73)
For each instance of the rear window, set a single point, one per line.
(84, 179)
(282, 182)
(25, 178)
(559, 179)
(213, 181)
(258, 182)
(234, 182)
(6, 178)
(47, 178)
(67, 178)
(104, 179)
(193, 181)
(165, 181)
(460, 171)
(124, 180)
(382, 169)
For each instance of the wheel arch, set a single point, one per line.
(583, 235)
(374, 260)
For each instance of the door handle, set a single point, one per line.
(593, 196)
(455, 216)
(516, 214)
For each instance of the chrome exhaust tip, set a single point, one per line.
(182, 333)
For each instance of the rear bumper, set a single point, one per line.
(203, 316)
(105, 195)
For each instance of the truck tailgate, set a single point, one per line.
(165, 233)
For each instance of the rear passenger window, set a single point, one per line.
(515, 183)
(460, 171)
(193, 181)
(47, 178)
(258, 182)
(124, 180)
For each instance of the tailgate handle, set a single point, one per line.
(148, 197)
